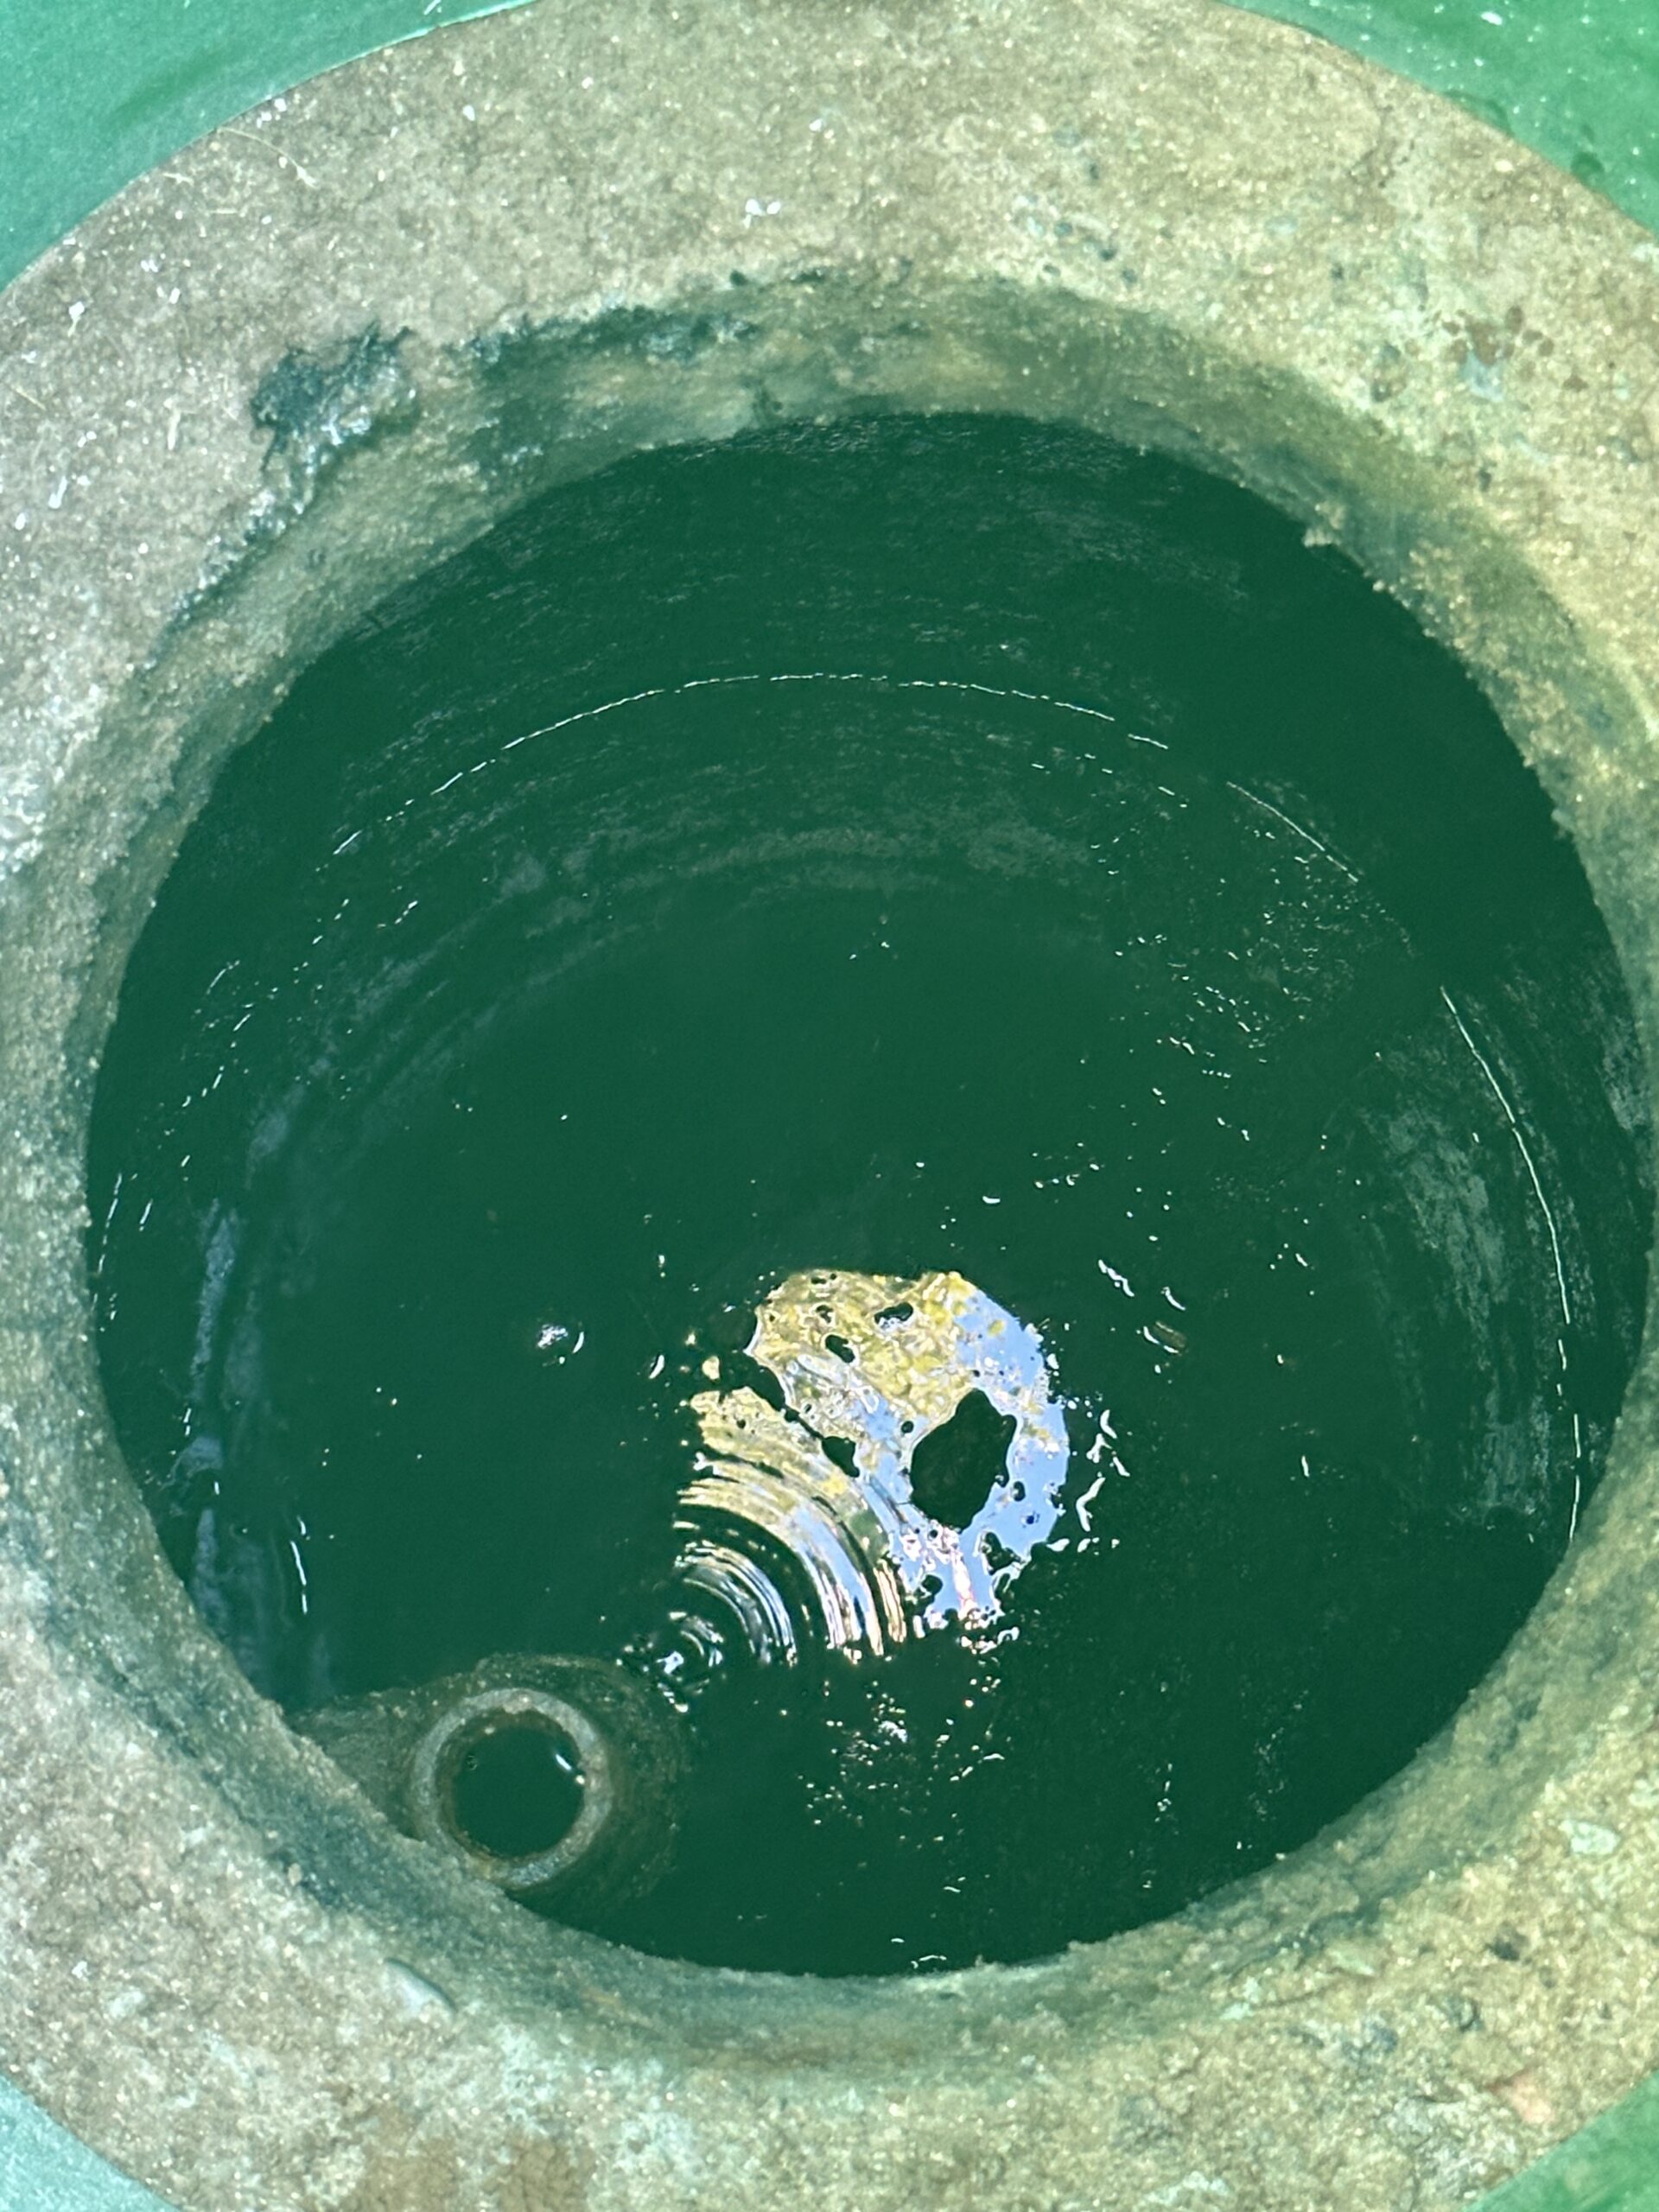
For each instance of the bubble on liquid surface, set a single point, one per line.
(868, 1369)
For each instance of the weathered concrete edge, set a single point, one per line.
(42, 2163)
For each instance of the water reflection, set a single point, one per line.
(818, 1459)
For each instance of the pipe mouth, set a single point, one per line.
(517, 1784)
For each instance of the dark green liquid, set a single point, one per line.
(517, 1790)
(701, 879)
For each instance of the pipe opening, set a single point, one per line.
(517, 1785)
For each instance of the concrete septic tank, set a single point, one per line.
(289, 372)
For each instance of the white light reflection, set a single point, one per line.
(871, 1364)
(1521, 1146)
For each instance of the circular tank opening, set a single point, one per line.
(942, 953)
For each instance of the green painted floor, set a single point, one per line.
(1577, 80)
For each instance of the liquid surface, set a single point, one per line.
(904, 1453)
(517, 1790)
(956, 849)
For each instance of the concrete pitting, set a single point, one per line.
(442, 279)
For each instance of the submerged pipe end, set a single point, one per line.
(558, 1779)
(482, 1732)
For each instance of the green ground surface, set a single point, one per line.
(1612, 2166)
(41, 2166)
(1577, 80)
(96, 94)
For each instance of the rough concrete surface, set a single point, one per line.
(341, 336)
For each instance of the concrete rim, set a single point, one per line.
(341, 338)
